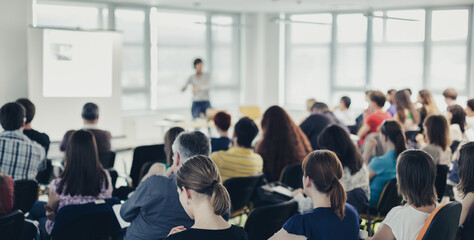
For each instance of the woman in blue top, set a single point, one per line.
(332, 218)
(383, 169)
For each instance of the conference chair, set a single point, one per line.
(442, 223)
(11, 225)
(143, 154)
(252, 112)
(265, 221)
(358, 199)
(440, 181)
(95, 220)
(25, 194)
(107, 159)
(292, 176)
(466, 231)
(240, 190)
(389, 199)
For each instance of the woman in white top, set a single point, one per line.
(406, 222)
(437, 136)
(457, 119)
(406, 113)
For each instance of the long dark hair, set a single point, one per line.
(459, 116)
(83, 174)
(336, 139)
(416, 174)
(466, 168)
(325, 171)
(201, 174)
(393, 131)
(283, 142)
(402, 101)
(170, 136)
(437, 130)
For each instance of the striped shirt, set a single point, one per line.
(20, 157)
(237, 162)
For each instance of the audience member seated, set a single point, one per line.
(418, 190)
(457, 119)
(470, 114)
(34, 135)
(317, 121)
(154, 208)
(373, 119)
(222, 121)
(437, 136)
(82, 181)
(90, 115)
(170, 137)
(6, 194)
(466, 184)
(332, 218)
(20, 157)
(343, 113)
(450, 95)
(282, 143)
(240, 160)
(204, 199)
(356, 172)
(428, 106)
(406, 113)
(391, 99)
(382, 169)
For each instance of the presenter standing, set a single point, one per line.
(201, 83)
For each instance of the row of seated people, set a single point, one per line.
(202, 198)
(275, 124)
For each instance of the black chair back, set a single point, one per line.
(143, 154)
(292, 176)
(358, 198)
(240, 190)
(440, 181)
(11, 225)
(389, 197)
(86, 221)
(265, 221)
(444, 224)
(113, 176)
(454, 146)
(107, 159)
(467, 229)
(25, 194)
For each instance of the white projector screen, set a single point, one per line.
(77, 64)
(67, 69)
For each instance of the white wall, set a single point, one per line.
(13, 50)
(260, 51)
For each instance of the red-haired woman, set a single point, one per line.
(283, 142)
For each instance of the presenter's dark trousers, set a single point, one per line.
(199, 107)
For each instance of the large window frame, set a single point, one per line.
(150, 87)
(426, 44)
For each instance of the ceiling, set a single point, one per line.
(288, 5)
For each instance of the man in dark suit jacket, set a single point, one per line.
(39, 137)
(90, 115)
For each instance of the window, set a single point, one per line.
(351, 50)
(397, 60)
(70, 16)
(307, 64)
(449, 49)
(134, 79)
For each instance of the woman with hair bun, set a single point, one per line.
(332, 218)
(204, 199)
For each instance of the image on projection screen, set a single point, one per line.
(77, 64)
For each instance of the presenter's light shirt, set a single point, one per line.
(203, 82)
